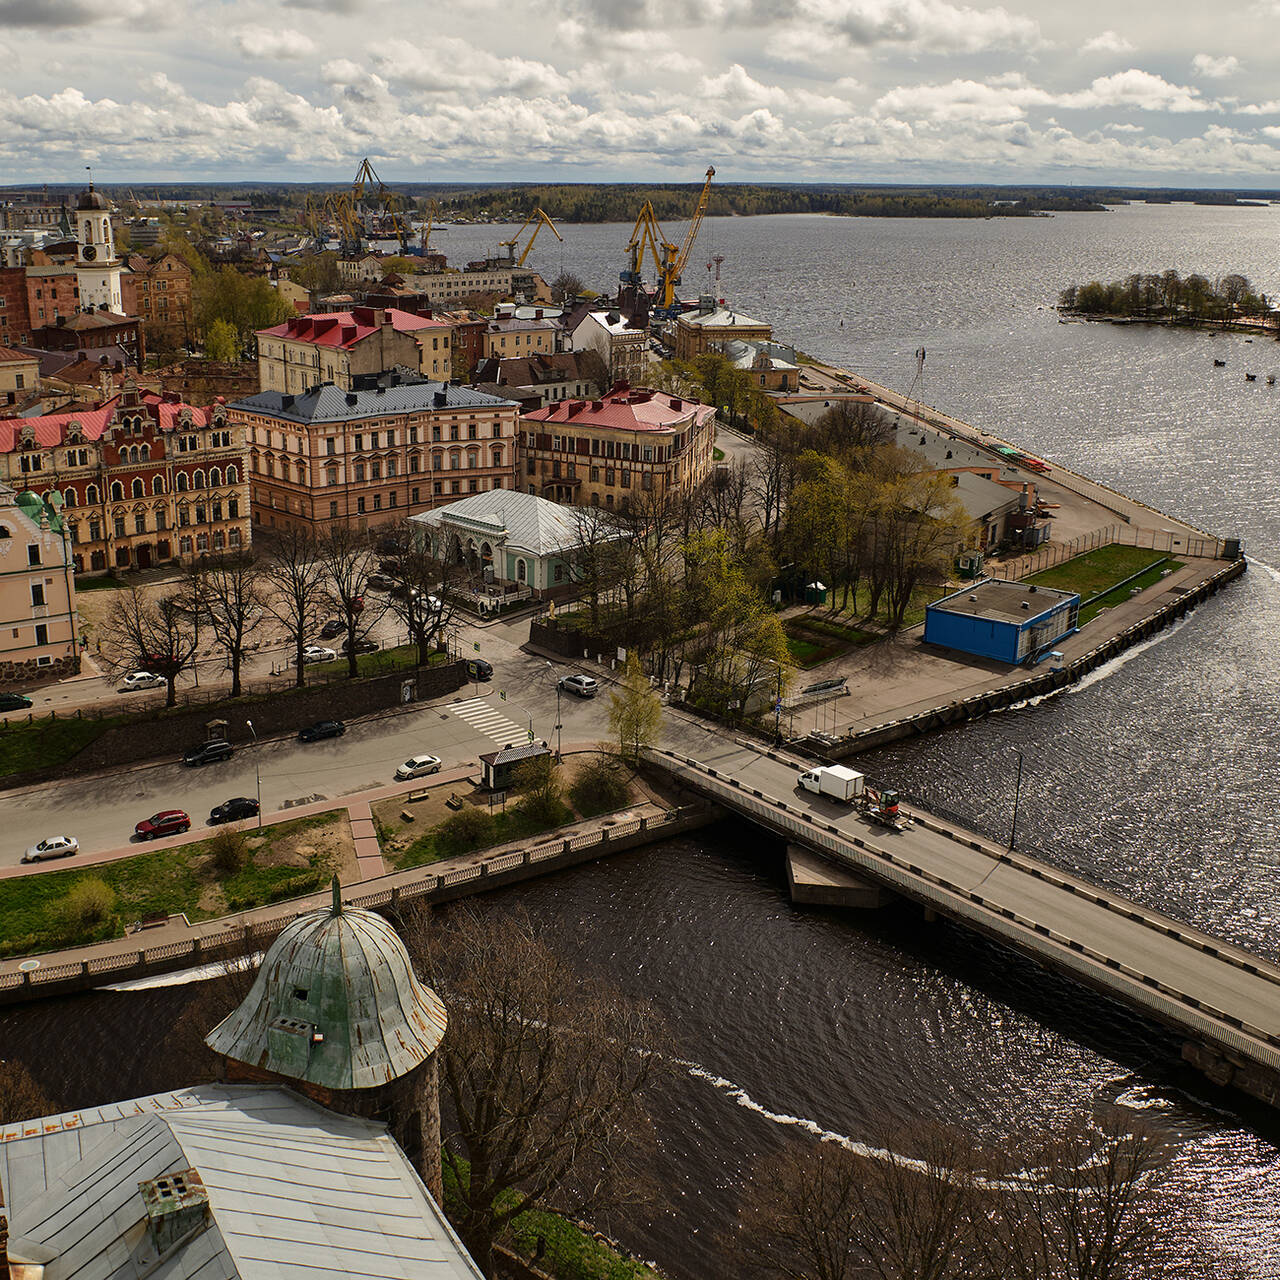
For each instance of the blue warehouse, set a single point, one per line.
(1009, 621)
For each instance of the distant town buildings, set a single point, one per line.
(159, 294)
(712, 327)
(606, 452)
(620, 341)
(540, 380)
(401, 445)
(142, 480)
(38, 629)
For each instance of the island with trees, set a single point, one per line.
(1166, 297)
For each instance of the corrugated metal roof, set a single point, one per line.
(336, 1004)
(329, 403)
(524, 521)
(295, 1192)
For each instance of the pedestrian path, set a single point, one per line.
(480, 714)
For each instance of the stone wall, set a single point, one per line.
(19, 673)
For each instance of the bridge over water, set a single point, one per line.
(1223, 1000)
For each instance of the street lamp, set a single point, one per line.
(1017, 789)
(257, 776)
(777, 704)
(558, 722)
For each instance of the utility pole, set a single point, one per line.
(257, 775)
(1017, 791)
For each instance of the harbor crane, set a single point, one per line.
(669, 259)
(541, 220)
(347, 209)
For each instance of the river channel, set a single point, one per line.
(1156, 775)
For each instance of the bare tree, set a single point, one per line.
(348, 559)
(599, 557)
(233, 602)
(294, 577)
(542, 1071)
(421, 600)
(148, 634)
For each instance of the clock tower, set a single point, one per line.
(97, 268)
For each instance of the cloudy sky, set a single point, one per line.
(1136, 92)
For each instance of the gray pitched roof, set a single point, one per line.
(528, 522)
(328, 403)
(295, 1192)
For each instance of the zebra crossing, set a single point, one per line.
(479, 713)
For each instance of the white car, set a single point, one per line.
(417, 766)
(141, 680)
(583, 686)
(318, 653)
(52, 847)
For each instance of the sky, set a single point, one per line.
(1135, 93)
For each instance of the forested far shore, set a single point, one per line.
(1169, 296)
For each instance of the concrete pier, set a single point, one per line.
(818, 882)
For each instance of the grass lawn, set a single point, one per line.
(376, 664)
(1095, 571)
(286, 860)
(46, 742)
(808, 653)
(717, 454)
(106, 583)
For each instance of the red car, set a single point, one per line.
(169, 822)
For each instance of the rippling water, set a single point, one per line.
(1156, 775)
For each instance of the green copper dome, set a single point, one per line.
(335, 1004)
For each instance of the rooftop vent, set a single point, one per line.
(440, 399)
(286, 402)
(177, 1205)
(352, 398)
(1032, 589)
(1026, 604)
(597, 405)
(379, 391)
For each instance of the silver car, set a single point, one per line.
(52, 847)
(417, 766)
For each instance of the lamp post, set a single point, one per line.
(777, 704)
(558, 721)
(257, 776)
(1017, 791)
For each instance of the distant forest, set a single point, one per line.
(1168, 296)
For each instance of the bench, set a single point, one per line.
(453, 802)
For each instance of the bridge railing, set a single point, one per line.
(1164, 1002)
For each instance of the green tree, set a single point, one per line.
(635, 712)
(246, 303)
(221, 342)
(538, 781)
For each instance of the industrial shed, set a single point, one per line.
(1011, 622)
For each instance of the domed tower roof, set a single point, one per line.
(91, 199)
(335, 1004)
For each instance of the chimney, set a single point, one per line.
(440, 399)
(177, 1205)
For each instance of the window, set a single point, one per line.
(330, 446)
(162, 519)
(118, 525)
(202, 542)
(233, 475)
(646, 480)
(217, 510)
(455, 486)
(473, 486)
(180, 482)
(373, 440)
(497, 430)
(377, 502)
(215, 477)
(33, 553)
(184, 516)
(333, 511)
(391, 468)
(437, 488)
(42, 633)
(184, 544)
(95, 531)
(391, 499)
(360, 505)
(415, 464)
(413, 497)
(37, 593)
(359, 442)
(625, 479)
(359, 471)
(471, 431)
(233, 508)
(117, 491)
(137, 489)
(375, 469)
(233, 537)
(197, 481)
(331, 476)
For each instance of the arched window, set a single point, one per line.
(496, 457)
(92, 496)
(198, 480)
(455, 461)
(138, 489)
(180, 482)
(157, 484)
(215, 478)
(233, 475)
(68, 497)
(522, 571)
(117, 491)
(144, 452)
(437, 460)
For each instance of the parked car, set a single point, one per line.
(141, 680)
(583, 686)
(14, 702)
(168, 822)
(322, 729)
(334, 627)
(479, 669)
(233, 810)
(403, 591)
(318, 653)
(417, 767)
(381, 581)
(208, 753)
(362, 646)
(52, 847)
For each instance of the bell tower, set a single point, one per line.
(97, 268)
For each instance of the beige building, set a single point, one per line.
(343, 346)
(507, 337)
(602, 453)
(19, 378)
(454, 288)
(376, 455)
(38, 629)
(712, 327)
(621, 343)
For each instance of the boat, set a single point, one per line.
(1251, 377)
(1271, 379)
(1219, 364)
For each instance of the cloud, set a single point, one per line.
(1140, 90)
(325, 6)
(966, 101)
(925, 26)
(1269, 108)
(1211, 68)
(453, 66)
(1123, 128)
(1107, 42)
(51, 14)
(264, 42)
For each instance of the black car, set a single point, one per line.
(332, 628)
(233, 810)
(208, 752)
(322, 729)
(381, 581)
(479, 669)
(14, 702)
(362, 646)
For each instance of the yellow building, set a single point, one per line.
(508, 336)
(19, 377)
(712, 327)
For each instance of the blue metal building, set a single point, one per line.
(1009, 621)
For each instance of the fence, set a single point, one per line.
(1169, 540)
(1165, 1003)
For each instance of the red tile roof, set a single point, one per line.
(52, 428)
(9, 356)
(345, 328)
(627, 409)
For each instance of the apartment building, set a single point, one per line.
(403, 445)
(507, 336)
(159, 294)
(620, 341)
(601, 453)
(712, 326)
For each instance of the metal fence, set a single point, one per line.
(1175, 542)
(1146, 991)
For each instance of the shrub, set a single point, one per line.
(599, 787)
(538, 781)
(469, 828)
(89, 903)
(229, 850)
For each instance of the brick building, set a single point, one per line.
(15, 319)
(144, 479)
(94, 332)
(404, 445)
(159, 294)
(603, 452)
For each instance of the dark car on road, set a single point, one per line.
(14, 702)
(233, 810)
(381, 581)
(168, 822)
(208, 753)
(362, 646)
(479, 669)
(322, 729)
(332, 628)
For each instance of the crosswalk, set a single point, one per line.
(481, 716)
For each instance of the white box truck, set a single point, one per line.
(833, 781)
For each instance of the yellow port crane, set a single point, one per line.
(346, 208)
(541, 220)
(668, 259)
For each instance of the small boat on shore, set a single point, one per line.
(1271, 379)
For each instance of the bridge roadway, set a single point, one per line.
(1222, 999)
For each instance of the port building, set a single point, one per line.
(1013, 622)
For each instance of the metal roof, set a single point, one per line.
(329, 403)
(336, 1004)
(295, 1192)
(520, 521)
